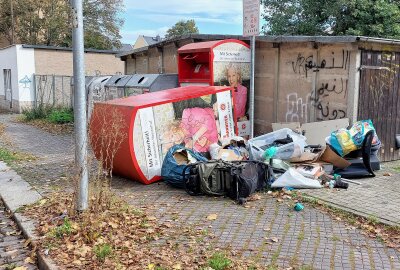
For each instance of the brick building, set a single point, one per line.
(20, 63)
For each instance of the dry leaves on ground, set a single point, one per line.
(121, 237)
(49, 127)
(212, 217)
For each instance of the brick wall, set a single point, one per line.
(60, 63)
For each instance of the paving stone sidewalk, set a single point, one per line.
(13, 251)
(376, 197)
(268, 231)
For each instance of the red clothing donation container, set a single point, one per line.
(219, 63)
(195, 116)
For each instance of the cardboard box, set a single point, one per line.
(326, 155)
(228, 155)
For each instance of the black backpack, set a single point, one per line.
(234, 179)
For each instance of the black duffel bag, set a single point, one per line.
(234, 179)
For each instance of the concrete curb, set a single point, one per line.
(15, 193)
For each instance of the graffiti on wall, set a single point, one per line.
(321, 100)
(328, 100)
(297, 108)
(334, 90)
(303, 64)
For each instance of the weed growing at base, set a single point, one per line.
(102, 251)
(219, 261)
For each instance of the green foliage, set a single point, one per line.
(219, 261)
(378, 18)
(10, 157)
(10, 266)
(181, 28)
(56, 115)
(39, 112)
(306, 267)
(7, 156)
(48, 22)
(61, 116)
(373, 219)
(102, 251)
(63, 229)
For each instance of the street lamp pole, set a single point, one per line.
(80, 119)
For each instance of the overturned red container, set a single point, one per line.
(133, 134)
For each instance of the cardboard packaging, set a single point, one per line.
(326, 155)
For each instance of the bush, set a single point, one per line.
(40, 112)
(61, 116)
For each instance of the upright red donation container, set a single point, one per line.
(195, 116)
(219, 63)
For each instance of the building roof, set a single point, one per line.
(328, 39)
(200, 37)
(125, 48)
(274, 39)
(205, 46)
(151, 40)
(44, 47)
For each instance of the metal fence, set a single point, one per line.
(53, 90)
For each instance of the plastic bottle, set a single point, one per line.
(332, 184)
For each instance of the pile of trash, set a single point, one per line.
(281, 159)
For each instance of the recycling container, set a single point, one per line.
(219, 63)
(115, 86)
(145, 83)
(195, 116)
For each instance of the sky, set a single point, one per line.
(154, 17)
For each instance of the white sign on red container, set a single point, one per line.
(251, 17)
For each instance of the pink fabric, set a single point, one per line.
(194, 119)
(240, 100)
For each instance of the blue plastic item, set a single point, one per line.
(269, 153)
(298, 207)
(171, 171)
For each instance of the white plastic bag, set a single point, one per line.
(292, 178)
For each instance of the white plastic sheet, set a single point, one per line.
(292, 178)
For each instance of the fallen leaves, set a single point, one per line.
(113, 225)
(275, 239)
(29, 260)
(42, 201)
(254, 197)
(20, 268)
(212, 217)
(120, 235)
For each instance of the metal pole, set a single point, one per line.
(80, 105)
(253, 50)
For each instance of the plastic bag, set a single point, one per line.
(345, 141)
(294, 179)
(172, 168)
(258, 146)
